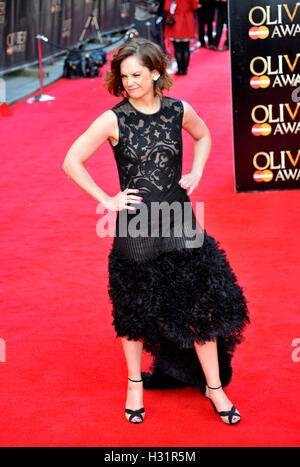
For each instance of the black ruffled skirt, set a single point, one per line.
(174, 299)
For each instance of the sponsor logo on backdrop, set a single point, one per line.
(125, 9)
(259, 33)
(271, 86)
(260, 82)
(2, 12)
(276, 119)
(280, 70)
(277, 166)
(16, 42)
(274, 21)
(66, 28)
(56, 6)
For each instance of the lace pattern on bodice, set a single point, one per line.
(149, 151)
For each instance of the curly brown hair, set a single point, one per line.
(150, 55)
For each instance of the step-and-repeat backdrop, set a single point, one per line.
(62, 21)
(265, 61)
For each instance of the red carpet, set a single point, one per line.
(64, 380)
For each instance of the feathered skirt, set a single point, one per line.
(174, 298)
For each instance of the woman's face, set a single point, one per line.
(137, 79)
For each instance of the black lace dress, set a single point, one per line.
(169, 282)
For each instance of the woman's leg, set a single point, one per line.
(226, 44)
(210, 20)
(178, 55)
(208, 357)
(219, 26)
(201, 24)
(133, 355)
(186, 56)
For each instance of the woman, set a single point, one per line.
(175, 297)
(182, 31)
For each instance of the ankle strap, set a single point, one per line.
(214, 388)
(135, 381)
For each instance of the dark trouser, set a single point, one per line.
(182, 55)
(206, 16)
(221, 20)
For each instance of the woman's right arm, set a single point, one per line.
(104, 127)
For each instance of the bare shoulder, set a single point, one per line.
(189, 114)
(107, 119)
(186, 105)
(106, 124)
(192, 123)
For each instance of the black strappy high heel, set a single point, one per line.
(140, 413)
(229, 413)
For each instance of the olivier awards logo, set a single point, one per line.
(275, 71)
(276, 119)
(276, 165)
(276, 115)
(279, 21)
(16, 42)
(276, 21)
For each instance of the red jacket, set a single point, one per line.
(184, 28)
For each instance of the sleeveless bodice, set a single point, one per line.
(149, 158)
(149, 151)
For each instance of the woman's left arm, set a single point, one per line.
(202, 145)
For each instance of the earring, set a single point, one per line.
(156, 77)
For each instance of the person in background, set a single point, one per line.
(182, 31)
(146, 12)
(222, 19)
(206, 14)
(161, 13)
(161, 9)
